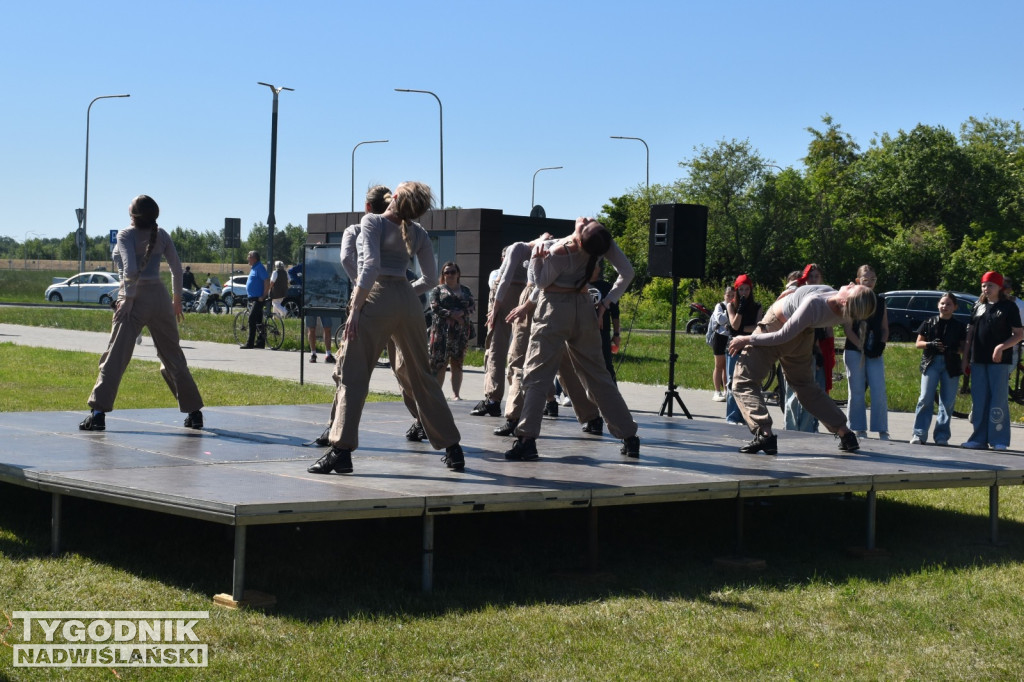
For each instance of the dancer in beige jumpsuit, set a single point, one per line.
(143, 302)
(384, 305)
(521, 319)
(786, 334)
(508, 289)
(566, 321)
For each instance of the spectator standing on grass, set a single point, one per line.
(326, 324)
(718, 328)
(188, 280)
(994, 330)
(257, 286)
(1008, 289)
(941, 340)
(142, 301)
(451, 307)
(865, 367)
(744, 312)
(279, 289)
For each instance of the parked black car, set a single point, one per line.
(906, 310)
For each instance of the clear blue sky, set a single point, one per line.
(524, 85)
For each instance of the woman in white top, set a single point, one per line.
(385, 305)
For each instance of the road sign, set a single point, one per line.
(113, 237)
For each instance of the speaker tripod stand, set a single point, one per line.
(671, 394)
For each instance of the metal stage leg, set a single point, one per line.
(428, 553)
(993, 514)
(739, 526)
(594, 546)
(238, 577)
(871, 520)
(55, 501)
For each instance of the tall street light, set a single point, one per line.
(534, 189)
(620, 137)
(83, 213)
(353, 209)
(441, 112)
(271, 220)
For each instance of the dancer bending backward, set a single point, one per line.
(143, 302)
(786, 335)
(385, 305)
(521, 318)
(566, 321)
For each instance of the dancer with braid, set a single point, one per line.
(385, 305)
(143, 302)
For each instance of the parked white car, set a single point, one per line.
(85, 287)
(234, 290)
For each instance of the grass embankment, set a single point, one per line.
(512, 597)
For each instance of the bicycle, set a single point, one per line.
(273, 326)
(383, 361)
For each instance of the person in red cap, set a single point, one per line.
(744, 312)
(994, 330)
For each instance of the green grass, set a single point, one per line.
(513, 599)
(71, 375)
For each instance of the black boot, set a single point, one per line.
(97, 421)
(506, 429)
(416, 433)
(454, 457)
(769, 444)
(594, 427)
(523, 450)
(333, 460)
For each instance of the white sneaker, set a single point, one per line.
(564, 400)
(1000, 447)
(718, 397)
(916, 440)
(861, 434)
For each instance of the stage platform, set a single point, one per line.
(248, 467)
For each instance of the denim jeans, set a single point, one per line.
(990, 404)
(732, 412)
(797, 418)
(936, 377)
(866, 373)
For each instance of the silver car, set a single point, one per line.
(85, 287)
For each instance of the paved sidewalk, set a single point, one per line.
(287, 365)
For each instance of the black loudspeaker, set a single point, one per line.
(679, 238)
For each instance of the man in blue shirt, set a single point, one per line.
(257, 287)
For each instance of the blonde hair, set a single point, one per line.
(410, 201)
(861, 305)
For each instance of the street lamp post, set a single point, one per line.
(533, 191)
(81, 235)
(353, 208)
(271, 220)
(441, 115)
(620, 137)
